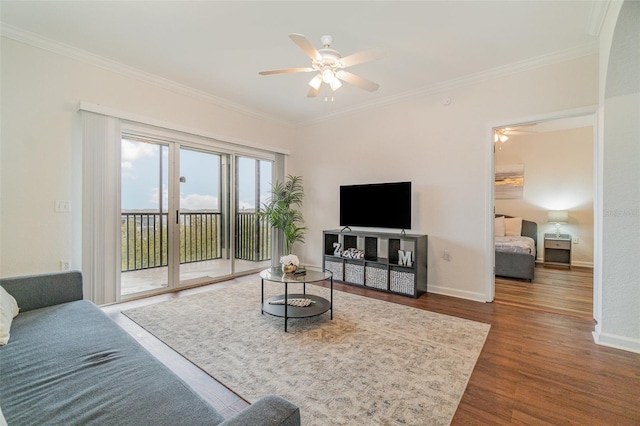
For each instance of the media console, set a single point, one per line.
(393, 263)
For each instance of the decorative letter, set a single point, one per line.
(337, 251)
(404, 258)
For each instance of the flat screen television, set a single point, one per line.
(377, 205)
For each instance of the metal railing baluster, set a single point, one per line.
(144, 237)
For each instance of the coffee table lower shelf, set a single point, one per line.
(320, 306)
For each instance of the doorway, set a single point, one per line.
(556, 157)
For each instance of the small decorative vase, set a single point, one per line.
(289, 268)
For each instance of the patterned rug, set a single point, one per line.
(375, 363)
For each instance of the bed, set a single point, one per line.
(515, 255)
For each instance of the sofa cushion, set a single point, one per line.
(39, 291)
(8, 311)
(71, 364)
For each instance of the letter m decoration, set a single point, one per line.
(405, 258)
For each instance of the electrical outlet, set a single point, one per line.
(63, 206)
(576, 240)
(65, 265)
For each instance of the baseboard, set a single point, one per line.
(582, 264)
(617, 342)
(461, 294)
(540, 262)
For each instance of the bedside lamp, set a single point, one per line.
(558, 217)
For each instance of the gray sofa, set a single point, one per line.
(68, 363)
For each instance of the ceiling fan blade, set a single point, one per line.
(360, 57)
(306, 46)
(286, 70)
(357, 81)
(313, 92)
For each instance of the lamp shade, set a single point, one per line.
(558, 216)
(316, 81)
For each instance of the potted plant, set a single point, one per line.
(281, 213)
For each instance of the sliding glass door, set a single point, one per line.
(174, 216)
(189, 215)
(252, 233)
(203, 216)
(144, 216)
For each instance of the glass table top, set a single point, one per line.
(311, 275)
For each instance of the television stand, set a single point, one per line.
(392, 263)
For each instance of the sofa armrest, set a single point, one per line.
(39, 291)
(271, 410)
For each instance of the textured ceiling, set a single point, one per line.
(217, 48)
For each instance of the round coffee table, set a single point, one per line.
(319, 305)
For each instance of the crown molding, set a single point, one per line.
(596, 16)
(87, 57)
(56, 47)
(516, 67)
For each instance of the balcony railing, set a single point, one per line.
(253, 237)
(145, 239)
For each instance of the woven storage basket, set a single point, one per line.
(375, 277)
(335, 268)
(402, 282)
(354, 273)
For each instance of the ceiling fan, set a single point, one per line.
(329, 65)
(503, 134)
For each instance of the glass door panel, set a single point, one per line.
(204, 251)
(144, 221)
(176, 216)
(252, 234)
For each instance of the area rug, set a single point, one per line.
(376, 362)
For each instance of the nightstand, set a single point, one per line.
(557, 250)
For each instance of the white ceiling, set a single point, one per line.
(216, 48)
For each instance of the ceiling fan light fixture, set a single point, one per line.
(327, 74)
(329, 65)
(500, 136)
(316, 81)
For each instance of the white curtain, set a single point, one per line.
(100, 207)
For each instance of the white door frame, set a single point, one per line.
(597, 199)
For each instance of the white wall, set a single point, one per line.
(618, 300)
(445, 151)
(41, 139)
(558, 175)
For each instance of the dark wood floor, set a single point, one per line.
(536, 367)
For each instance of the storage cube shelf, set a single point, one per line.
(386, 266)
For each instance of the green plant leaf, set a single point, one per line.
(280, 212)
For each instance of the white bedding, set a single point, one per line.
(513, 244)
